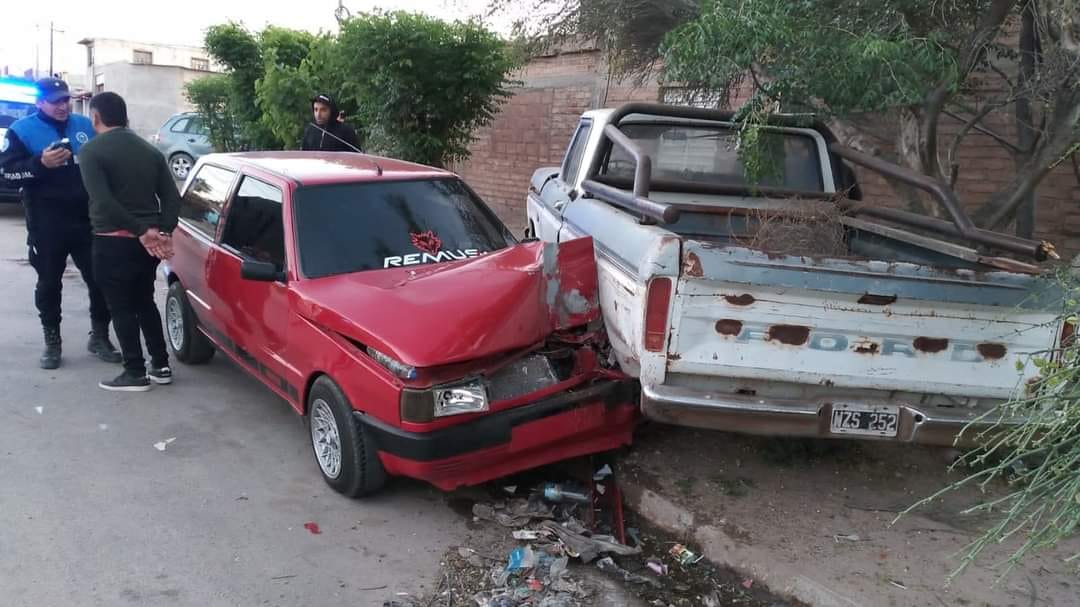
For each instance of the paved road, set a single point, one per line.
(92, 514)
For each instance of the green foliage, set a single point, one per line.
(419, 86)
(242, 55)
(423, 85)
(836, 57)
(210, 95)
(1039, 459)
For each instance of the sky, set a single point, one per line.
(26, 28)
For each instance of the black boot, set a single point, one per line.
(100, 346)
(50, 358)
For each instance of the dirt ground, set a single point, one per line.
(823, 510)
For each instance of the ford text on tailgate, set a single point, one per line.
(790, 306)
(389, 305)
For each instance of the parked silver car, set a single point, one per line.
(182, 139)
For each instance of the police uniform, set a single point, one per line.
(57, 214)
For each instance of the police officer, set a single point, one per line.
(40, 153)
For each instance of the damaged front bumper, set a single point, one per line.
(682, 406)
(591, 419)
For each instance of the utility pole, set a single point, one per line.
(51, 30)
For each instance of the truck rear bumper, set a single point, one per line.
(796, 417)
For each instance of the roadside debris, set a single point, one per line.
(564, 544)
(851, 537)
(40, 410)
(559, 494)
(103, 427)
(163, 444)
(313, 527)
(608, 565)
(588, 548)
(515, 513)
(684, 555)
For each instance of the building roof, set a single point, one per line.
(318, 168)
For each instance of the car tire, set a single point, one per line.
(186, 341)
(180, 165)
(343, 448)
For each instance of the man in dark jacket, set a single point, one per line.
(40, 153)
(327, 133)
(133, 209)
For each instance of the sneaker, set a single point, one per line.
(160, 376)
(126, 382)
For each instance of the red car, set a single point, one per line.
(387, 303)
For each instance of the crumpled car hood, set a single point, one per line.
(455, 312)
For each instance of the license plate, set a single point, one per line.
(867, 420)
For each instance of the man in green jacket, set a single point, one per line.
(133, 210)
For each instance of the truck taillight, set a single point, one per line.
(657, 302)
(1068, 333)
(1066, 339)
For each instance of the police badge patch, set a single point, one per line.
(81, 137)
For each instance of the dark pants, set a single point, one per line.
(49, 251)
(126, 273)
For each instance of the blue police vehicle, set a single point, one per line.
(17, 99)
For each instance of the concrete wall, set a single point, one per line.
(108, 52)
(153, 92)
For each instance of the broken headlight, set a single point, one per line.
(397, 368)
(463, 398)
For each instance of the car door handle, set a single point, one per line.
(191, 141)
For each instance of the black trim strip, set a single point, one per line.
(249, 359)
(490, 430)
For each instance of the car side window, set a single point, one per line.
(253, 223)
(181, 125)
(205, 197)
(197, 128)
(572, 162)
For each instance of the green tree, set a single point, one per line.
(419, 86)
(920, 62)
(422, 86)
(211, 97)
(285, 90)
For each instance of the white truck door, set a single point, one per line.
(549, 197)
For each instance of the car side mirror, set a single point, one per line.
(262, 271)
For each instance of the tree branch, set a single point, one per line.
(934, 103)
(954, 170)
(1061, 137)
(985, 131)
(928, 146)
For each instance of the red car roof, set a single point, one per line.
(317, 168)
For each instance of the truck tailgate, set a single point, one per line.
(741, 313)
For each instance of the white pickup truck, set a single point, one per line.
(864, 327)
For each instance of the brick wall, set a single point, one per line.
(534, 128)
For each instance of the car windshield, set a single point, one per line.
(354, 227)
(709, 155)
